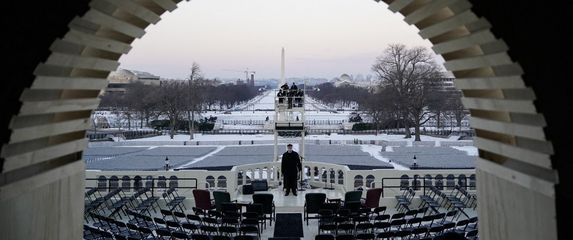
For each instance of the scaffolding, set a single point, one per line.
(289, 119)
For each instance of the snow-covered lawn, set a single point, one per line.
(333, 136)
(470, 150)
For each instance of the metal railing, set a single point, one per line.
(423, 183)
(144, 184)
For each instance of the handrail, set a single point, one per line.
(422, 180)
(153, 187)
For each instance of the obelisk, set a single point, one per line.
(283, 81)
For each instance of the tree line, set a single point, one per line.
(410, 92)
(176, 99)
(343, 95)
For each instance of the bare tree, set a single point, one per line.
(457, 109)
(141, 99)
(172, 102)
(379, 106)
(407, 72)
(195, 98)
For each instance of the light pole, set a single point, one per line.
(415, 165)
(166, 163)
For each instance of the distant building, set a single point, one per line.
(118, 80)
(252, 80)
(344, 79)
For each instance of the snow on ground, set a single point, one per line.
(240, 127)
(270, 137)
(193, 156)
(431, 157)
(470, 150)
(374, 151)
(138, 158)
(219, 148)
(259, 102)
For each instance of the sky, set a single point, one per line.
(322, 38)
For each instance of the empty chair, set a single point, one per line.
(351, 197)
(221, 197)
(163, 233)
(228, 230)
(208, 230)
(326, 220)
(313, 203)
(266, 200)
(365, 227)
(190, 227)
(372, 199)
(378, 211)
(381, 226)
(203, 199)
(472, 234)
(435, 230)
(167, 215)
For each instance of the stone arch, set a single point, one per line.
(462, 181)
(358, 181)
(428, 180)
(472, 182)
(173, 182)
(126, 183)
(113, 182)
(162, 182)
(370, 181)
(137, 183)
(210, 182)
(440, 182)
(222, 182)
(257, 173)
(450, 181)
(404, 182)
(492, 84)
(149, 181)
(416, 182)
(340, 177)
(101, 183)
(240, 176)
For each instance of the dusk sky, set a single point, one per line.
(322, 38)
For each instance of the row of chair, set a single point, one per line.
(174, 224)
(458, 199)
(404, 234)
(222, 200)
(353, 201)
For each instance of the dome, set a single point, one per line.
(345, 77)
(121, 76)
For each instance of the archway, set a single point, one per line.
(42, 155)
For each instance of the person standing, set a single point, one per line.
(290, 167)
